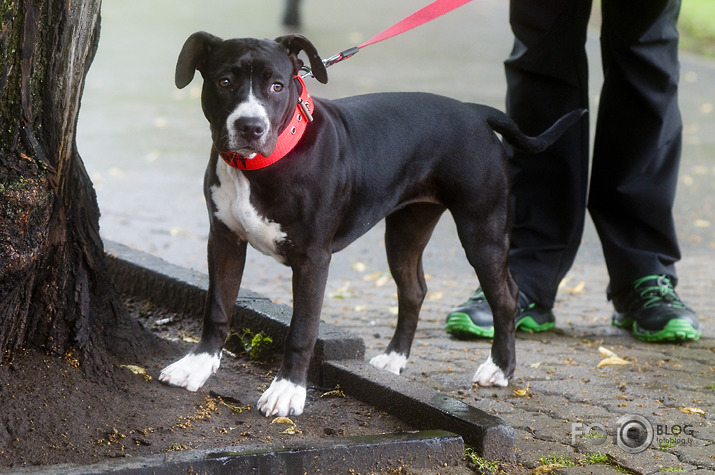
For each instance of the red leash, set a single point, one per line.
(430, 12)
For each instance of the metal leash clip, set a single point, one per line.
(331, 60)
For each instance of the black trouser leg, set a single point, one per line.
(547, 76)
(638, 140)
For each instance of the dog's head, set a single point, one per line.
(249, 93)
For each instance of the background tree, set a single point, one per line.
(54, 291)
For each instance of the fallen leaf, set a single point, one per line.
(337, 392)
(282, 420)
(702, 223)
(611, 358)
(343, 292)
(382, 280)
(611, 361)
(137, 370)
(606, 351)
(371, 277)
(693, 410)
(359, 266)
(293, 430)
(522, 392)
(547, 468)
(435, 296)
(236, 408)
(577, 289)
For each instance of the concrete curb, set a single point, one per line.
(423, 408)
(338, 357)
(427, 450)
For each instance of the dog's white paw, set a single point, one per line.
(392, 362)
(191, 371)
(282, 398)
(489, 374)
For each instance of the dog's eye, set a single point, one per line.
(224, 82)
(276, 87)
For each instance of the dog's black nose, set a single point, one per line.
(250, 128)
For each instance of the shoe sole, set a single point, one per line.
(528, 324)
(461, 326)
(675, 330)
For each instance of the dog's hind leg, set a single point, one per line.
(486, 243)
(407, 232)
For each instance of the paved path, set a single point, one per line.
(146, 143)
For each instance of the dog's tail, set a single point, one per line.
(503, 124)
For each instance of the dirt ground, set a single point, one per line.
(51, 413)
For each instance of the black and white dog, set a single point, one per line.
(301, 178)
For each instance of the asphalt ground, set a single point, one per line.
(145, 144)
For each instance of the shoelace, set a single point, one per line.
(478, 296)
(660, 290)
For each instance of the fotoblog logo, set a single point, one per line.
(634, 433)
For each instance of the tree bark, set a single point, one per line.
(54, 291)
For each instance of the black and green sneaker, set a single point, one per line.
(474, 317)
(654, 312)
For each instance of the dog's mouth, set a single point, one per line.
(248, 149)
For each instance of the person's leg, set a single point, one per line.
(547, 76)
(636, 159)
(638, 140)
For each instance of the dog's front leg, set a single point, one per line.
(226, 259)
(286, 394)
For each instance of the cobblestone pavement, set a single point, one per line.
(145, 145)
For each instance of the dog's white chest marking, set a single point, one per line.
(233, 207)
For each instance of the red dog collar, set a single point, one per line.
(286, 140)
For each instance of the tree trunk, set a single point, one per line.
(54, 291)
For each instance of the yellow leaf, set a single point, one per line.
(359, 266)
(702, 223)
(292, 430)
(371, 277)
(693, 410)
(579, 288)
(606, 351)
(343, 292)
(337, 392)
(382, 280)
(282, 420)
(134, 369)
(435, 296)
(547, 468)
(522, 392)
(611, 360)
(137, 370)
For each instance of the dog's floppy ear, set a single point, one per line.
(295, 44)
(193, 56)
